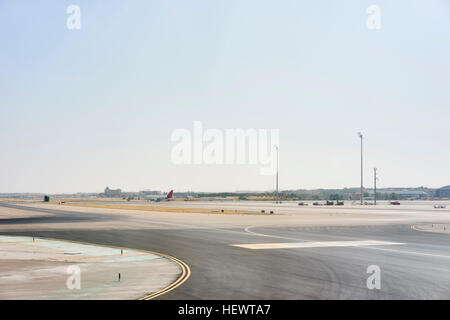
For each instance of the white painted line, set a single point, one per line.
(313, 244)
(268, 235)
(413, 253)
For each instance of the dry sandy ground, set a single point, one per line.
(155, 208)
(285, 215)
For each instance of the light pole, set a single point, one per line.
(375, 185)
(277, 175)
(361, 137)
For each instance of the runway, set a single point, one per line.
(413, 264)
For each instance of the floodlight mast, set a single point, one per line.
(375, 185)
(362, 194)
(276, 147)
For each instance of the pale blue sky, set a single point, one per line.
(95, 107)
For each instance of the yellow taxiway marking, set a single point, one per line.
(185, 274)
(185, 270)
(314, 244)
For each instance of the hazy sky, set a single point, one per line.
(84, 109)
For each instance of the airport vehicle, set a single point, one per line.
(395, 203)
(439, 206)
(158, 198)
(339, 203)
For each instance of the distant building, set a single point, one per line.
(443, 192)
(111, 193)
(411, 194)
(149, 192)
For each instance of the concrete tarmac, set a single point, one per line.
(413, 264)
(43, 269)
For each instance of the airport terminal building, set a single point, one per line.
(112, 193)
(443, 192)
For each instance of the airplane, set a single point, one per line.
(158, 198)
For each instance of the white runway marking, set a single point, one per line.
(413, 253)
(314, 244)
(270, 236)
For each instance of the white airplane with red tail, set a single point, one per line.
(155, 197)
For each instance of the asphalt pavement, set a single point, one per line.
(413, 264)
